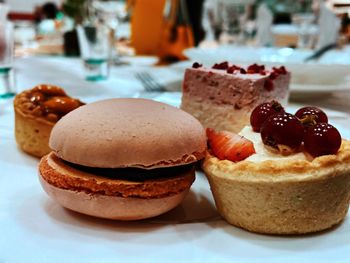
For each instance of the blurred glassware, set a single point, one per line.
(264, 20)
(7, 80)
(329, 26)
(208, 20)
(24, 34)
(307, 29)
(4, 10)
(226, 20)
(110, 13)
(95, 50)
(302, 33)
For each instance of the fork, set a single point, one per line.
(318, 53)
(148, 82)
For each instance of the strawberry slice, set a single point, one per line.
(230, 146)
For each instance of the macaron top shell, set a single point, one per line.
(129, 132)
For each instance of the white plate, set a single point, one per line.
(300, 89)
(251, 54)
(315, 77)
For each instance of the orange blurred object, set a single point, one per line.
(146, 25)
(160, 27)
(177, 32)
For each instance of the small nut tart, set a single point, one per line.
(36, 112)
(282, 196)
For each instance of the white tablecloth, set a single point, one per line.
(36, 229)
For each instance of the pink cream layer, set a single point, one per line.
(241, 90)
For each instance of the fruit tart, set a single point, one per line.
(36, 112)
(284, 174)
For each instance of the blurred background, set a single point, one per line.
(167, 27)
(310, 37)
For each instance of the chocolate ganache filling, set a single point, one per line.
(134, 174)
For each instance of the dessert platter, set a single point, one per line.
(230, 172)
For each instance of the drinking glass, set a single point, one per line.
(7, 81)
(225, 20)
(109, 13)
(307, 29)
(95, 50)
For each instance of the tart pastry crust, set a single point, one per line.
(31, 132)
(36, 112)
(282, 197)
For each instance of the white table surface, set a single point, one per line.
(33, 228)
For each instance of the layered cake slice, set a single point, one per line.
(223, 96)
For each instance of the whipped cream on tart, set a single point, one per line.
(275, 193)
(264, 154)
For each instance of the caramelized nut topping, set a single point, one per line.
(52, 117)
(61, 105)
(37, 97)
(48, 101)
(28, 105)
(37, 111)
(49, 90)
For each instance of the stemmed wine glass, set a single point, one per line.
(225, 20)
(109, 13)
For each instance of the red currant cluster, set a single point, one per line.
(286, 133)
